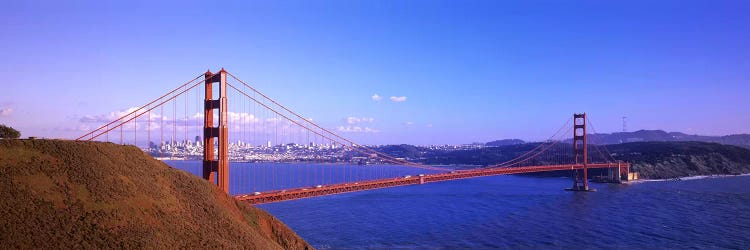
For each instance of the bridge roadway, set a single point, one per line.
(299, 193)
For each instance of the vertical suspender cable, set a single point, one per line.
(161, 134)
(135, 130)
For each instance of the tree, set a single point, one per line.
(8, 132)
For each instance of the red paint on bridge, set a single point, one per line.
(293, 194)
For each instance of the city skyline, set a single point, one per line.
(387, 72)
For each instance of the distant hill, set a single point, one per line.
(742, 140)
(664, 160)
(92, 195)
(504, 142)
(402, 150)
(655, 160)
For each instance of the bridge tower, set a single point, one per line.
(580, 150)
(216, 168)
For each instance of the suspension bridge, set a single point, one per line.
(278, 154)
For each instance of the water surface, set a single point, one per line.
(527, 212)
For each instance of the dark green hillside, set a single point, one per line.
(660, 160)
(655, 160)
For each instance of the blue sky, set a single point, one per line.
(471, 71)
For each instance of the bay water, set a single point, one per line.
(518, 212)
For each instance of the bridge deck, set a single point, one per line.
(292, 194)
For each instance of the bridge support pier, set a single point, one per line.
(216, 168)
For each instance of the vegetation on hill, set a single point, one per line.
(663, 160)
(73, 195)
(8, 132)
(653, 160)
(402, 151)
(504, 142)
(742, 140)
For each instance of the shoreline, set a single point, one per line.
(689, 178)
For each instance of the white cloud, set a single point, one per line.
(102, 118)
(181, 122)
(6, 111)
(356, 129)
(353, 126)
(376, 97)
(408, 123)
(237, 121)
(239, 117)
(429, 125)
(398, 98)
(73, 128)
(83, 128)
(234, 117)
(356, 120)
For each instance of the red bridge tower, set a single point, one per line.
(216, 168)
(580, 150)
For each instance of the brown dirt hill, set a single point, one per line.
(68, 194)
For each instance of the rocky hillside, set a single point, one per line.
(664, 160)
(74, 195)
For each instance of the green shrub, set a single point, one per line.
(8, 132)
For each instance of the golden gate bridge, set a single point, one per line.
(227, 109)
